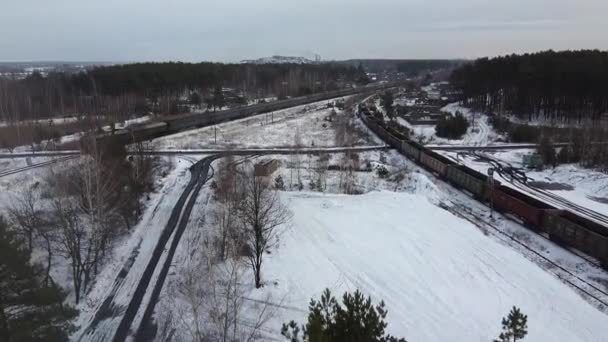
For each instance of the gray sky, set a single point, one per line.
(231, 30)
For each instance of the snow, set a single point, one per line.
(132, 254)
(480, 132)
(441, 278)
(272, 129)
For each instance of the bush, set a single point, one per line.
(452, 127)
(382, 172)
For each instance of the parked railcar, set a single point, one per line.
(411, 149)
(530, 210)
(470, 180)
(583, 234)
(434, 161)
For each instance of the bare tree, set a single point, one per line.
(139, 181)
(77, 243)
(100, 193)
(30, 220)
(213, 300)
(26, 214)
(85, 213)
(227, 194)
(260, 212)
(321, 170)
(296, 159)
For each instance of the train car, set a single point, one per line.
(583, 234)
(411, 149)
(530, 210)
(434, 161)
(139, 132)
(469, 179)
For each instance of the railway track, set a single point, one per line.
(35, 166)
(517, 178)
(587, 289)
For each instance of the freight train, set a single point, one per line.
(173, 124)
(562, 226)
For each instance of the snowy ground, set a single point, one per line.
(441, 277)
(480, 132)
(272, 129)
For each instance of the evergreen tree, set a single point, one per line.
(278, 183)
(195, 99)
(355, 320)
(387, 102)
(28, 310)
(547, 152)
(564, 86)
(514, 326)
(452, 127)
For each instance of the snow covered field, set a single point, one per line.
(307, 122)
(441, 277)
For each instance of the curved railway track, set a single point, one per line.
(517, 178)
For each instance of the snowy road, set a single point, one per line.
(110, 320)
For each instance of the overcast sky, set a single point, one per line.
(231, 30)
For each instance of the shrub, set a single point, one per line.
(381, 171)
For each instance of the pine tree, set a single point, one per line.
(514, 326)
(355, 320)
(29, 311)
(278, 183)
(387, 102)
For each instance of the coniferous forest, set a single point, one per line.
(568, 86)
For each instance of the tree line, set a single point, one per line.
(118, 91)
(566, 86)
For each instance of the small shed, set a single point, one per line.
(265, 168)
